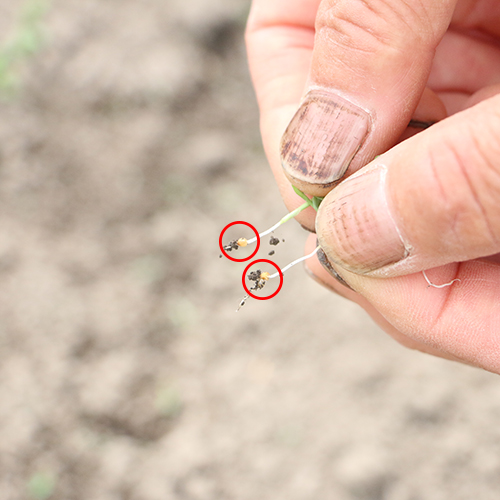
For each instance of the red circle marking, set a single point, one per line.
(233, 224)
(256, 296)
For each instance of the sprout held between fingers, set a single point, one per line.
(261, 278)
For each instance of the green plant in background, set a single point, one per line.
(168, 401)
(26, 41)
(41, 485)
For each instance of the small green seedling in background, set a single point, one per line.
(168, 401)
(26, 41)
(41, 485)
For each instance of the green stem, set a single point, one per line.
(287, 217)
(294, 213)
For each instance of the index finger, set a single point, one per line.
(280, 40)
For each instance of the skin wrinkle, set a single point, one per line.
(351, 246)
(437, 179)
(335, 220)
(444, 197)
(473, 191)
(399, 83)
(410, 5)
(429, 20)
(390, 10)
(344, 25)
(386, 45)
(401, 16)
(340, 64)
(356, 219)
(494, 170)
(494, 114)
(345, 243)
(344, 41)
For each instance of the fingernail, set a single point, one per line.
(355, 226)
(310, 230)
(420, 124)
(322, 139)
(323, 259)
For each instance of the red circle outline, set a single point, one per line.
(256, 296)
(245, 224)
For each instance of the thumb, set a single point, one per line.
(370, 64)
(431, 200)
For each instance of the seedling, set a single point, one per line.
(27, 40)
(258, 277)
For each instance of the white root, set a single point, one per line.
(286, 218)
(444, 285)
(265, 233)
(275, 275)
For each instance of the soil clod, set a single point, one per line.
(274, 241)
(259, 277)
(235, 244)
(232, 245)
(254, 275)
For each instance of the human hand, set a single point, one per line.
(429, 202)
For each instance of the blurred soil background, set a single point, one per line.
(128, 140)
